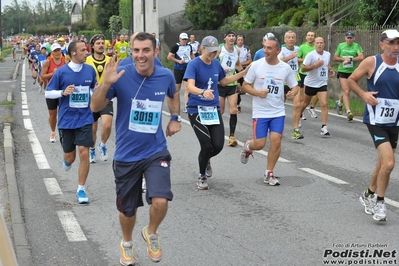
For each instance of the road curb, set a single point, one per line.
(22, 248)
(15, 74)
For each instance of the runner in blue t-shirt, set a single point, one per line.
(140, 141)
(203, 107)
(72, 85)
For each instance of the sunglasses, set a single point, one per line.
(96, 38)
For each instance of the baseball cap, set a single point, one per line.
(349, 34)
(210, 43)
(61, 39)
(229, 32)
(268, 35)
(389, 35)
(55, 46)
(183, 36)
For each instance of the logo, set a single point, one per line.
(388, 103)
(88, 80)
(164, 164)
(376, 138)
(140, 105)
(159, 93)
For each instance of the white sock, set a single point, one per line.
(81, 188)
(348, 111)
(102, 144)
(268, 172)
(247, 147)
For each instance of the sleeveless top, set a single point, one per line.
(228, 60)
(385, 80)
(53, 66)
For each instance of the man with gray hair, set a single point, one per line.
(260, 54)
(268, 113)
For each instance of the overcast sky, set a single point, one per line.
(5, 3)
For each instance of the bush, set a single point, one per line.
(287, 15)
(298, 18)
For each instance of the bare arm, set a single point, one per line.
(318, 63)
(365, 68)
(230, 79)
(246, 87)
(171, 57)
(46, 76)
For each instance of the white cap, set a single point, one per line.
(268, 35)
(183, 36)
(55, 46)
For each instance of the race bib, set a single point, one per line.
(208, 115)
(275, 87)
(186, 58)
(227, 62)
(145, 116)
(322, 73)
(386, 111)
(80, 97)
(123, 49)
(350, 64)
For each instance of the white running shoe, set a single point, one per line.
(271, 180)
(380, 211)
(202, 183)
(53, 137)
(324, 131)
(103, 152)
(312, 113)
(368, 202)
(245, 153)
(92, 155)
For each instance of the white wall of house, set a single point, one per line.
(167, 7)
(154, 9)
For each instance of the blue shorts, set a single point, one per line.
(129, 178)
(70, 138)
(261, 126)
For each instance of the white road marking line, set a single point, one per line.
(37, 150)
(264, 153)
(325, 176)
(391, 202)
(25, 107)
(25, 112)
(52, 186)
(24, 99)
(71, 226)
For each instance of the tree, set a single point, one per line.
(209, 14)
(115, 25)
(105, 10)
(125, 7)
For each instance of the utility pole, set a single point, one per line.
(1, 29)
(83, 20)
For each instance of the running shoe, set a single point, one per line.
(103, 152)
(34, 81)
(127, 251)
(296, 134)
(53, 136)
(239, 109)
(202, 183)
(208, 170)
(92, 156)
(154, 250)
(338, 107)
(66, 166)
(232, 142)
(349, 116)
(312, 113)
(368, 202)
(303, 116)
(184, 110)
(380, 211)
(271, 180)
(324, 131)
(81, 197)
(245, 153)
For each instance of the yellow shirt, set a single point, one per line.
(121, 48)
(98, 66)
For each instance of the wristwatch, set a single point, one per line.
(202, 92)
(175, 118)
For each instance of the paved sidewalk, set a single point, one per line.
(9, 198)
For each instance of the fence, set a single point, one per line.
(367, 36)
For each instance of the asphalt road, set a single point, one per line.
(313, 218)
